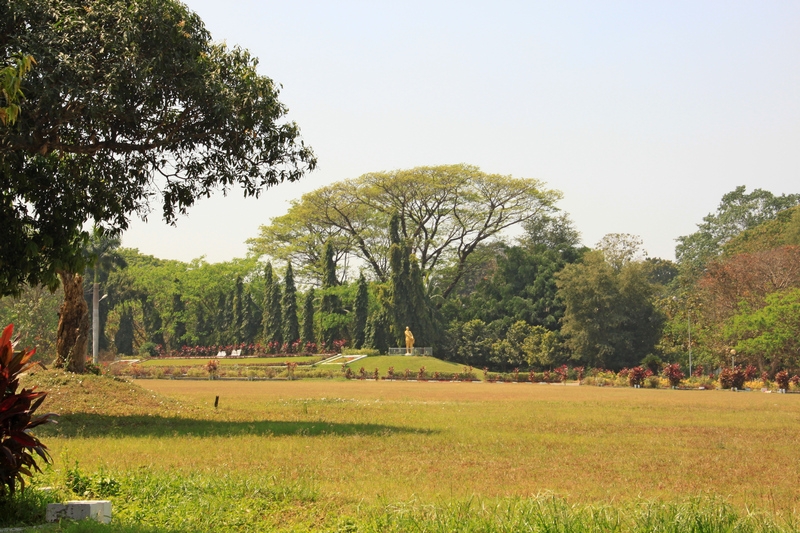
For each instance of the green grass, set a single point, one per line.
(403, 456)
(247, 361)
(402, 362)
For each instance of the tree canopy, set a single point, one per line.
(445, 212)
(129, 103)
(737, 212)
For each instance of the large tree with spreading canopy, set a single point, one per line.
(445, 213)
(129, 104)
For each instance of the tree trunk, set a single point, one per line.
(73, 325)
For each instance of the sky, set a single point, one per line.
(642, 113)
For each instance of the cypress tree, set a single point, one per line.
(252, 320)
(330, 306)
(269, 280)
(123, 340)
(361, 308)
(400, 305)
(291, 327)
(274, 331)
(237, 312)
(308, 317)
(377, 334)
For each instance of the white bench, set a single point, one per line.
(236, 353)
(221, 353)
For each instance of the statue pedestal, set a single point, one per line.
(99, 510)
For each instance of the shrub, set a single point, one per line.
(16, 418)
(732, 378)
(148, 349)
(212, 367)
(652, 362)
(636, 376)
(673, 374)
(782, 379)
(421, 373)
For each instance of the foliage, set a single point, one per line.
(17, 409)
(360, 311)
(636, 376)
(331, 315)
(609, 320)
(34, 312)
(308, 318)
(291, 326)
(768, 335)
(123, 340)
(673, 374)
(445, 212)
(732, 378)
(11, 75)
(115, 119)
(377, 334)
(782, 379)
(737, 211)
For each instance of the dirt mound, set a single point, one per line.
(69, 393)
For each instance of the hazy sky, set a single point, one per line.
(642, 113)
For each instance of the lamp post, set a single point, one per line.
(733, 358)
(96, 322)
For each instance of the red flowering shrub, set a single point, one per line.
(782, 379)
(562, 373)
(698, 371)
(421, 373)
(636, 376)
(732, 378)
(750, 373)
(673, 374)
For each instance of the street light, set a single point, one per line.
(96, 323)
(733, 358)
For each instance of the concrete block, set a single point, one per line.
(99, 510)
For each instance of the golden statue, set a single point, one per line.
(409, 341)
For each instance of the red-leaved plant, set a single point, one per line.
(782, 379)
(673, 374)
(16, 418)
(636, 376)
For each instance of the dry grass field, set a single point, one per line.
(357, 445)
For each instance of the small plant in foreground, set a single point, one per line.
(16, 418)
